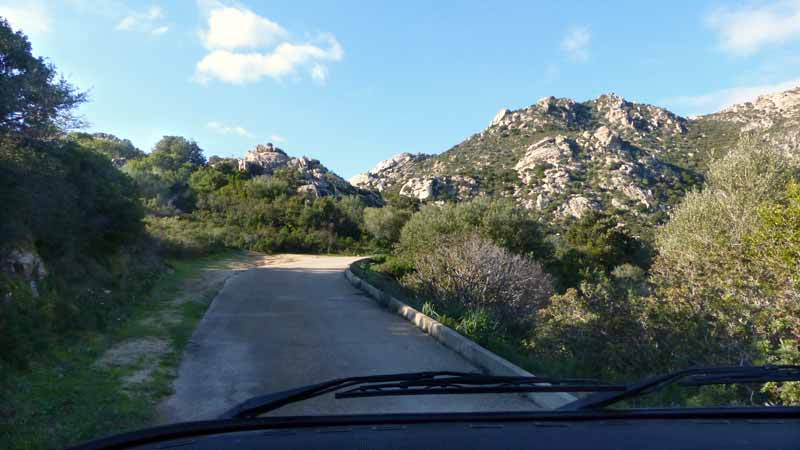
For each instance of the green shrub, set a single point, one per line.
(385, 224)
(497, 220)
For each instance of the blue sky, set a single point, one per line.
(352, 82)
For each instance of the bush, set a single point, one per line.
(595, 329)
(602, 243)
(385, 224)
(704, 270)
(499, 221)
(473, 273)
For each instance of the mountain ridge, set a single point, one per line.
(566, 157)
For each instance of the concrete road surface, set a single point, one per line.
(297, 321)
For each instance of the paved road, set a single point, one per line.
(297, 321)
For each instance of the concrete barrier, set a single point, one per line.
(468, 349)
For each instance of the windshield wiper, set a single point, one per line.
(418, 383)
(691, 377)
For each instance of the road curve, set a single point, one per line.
(297, 321)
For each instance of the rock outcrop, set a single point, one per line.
(772, 119)
(23, 262)
(455, 187)
(314, 179)
(387, 172)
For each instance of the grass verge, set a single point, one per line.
(107, 382)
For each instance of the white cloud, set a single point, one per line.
(28, 17)
(283, 60)
(226, 129)
(231, 28)
(278, 138)
(746, 30)
(148, 21)
(576, 43)
(717, 100)
(319, 73)
(245, 47)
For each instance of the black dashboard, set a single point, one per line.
(615, 431)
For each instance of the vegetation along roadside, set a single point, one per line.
(111, 380)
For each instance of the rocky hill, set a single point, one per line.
(312, 178)
(564, 158)
(773, 119)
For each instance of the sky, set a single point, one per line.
(352, 83)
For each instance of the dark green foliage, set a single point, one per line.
(163, 176)
(34, 102)
(600, 241)
(70, 199)
(78, 212)
(594, 330)
(385, 224)
(262, 213)
(174, 153)
(107, 145)
(207, 179)
(500, 221)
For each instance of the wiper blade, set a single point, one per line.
(754, 375)
(693, 377)
(265, 403)
(418, 383)
(477, 384)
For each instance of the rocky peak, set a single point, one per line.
(314, 178)
(500, 116)
(764, 113)
(264, 159)
(387, 171)
(778, 102)
(621, 114)
(547, 112)
(268, 148)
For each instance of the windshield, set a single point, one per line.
(206, 203)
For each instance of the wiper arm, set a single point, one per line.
(419, 383)
(265, 403)
(694, 377)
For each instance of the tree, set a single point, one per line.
(602, 242)
(385, 224)
(207, 179)
(173, 153)
(724, 294)
(107, 145)
(35, 103)
(500, 221)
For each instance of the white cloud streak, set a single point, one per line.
(319, 73)
(245, 47)
(227, 129)
(576, 43)
(748, 29)
(149, 21)
(723, 98)
(278, 138)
